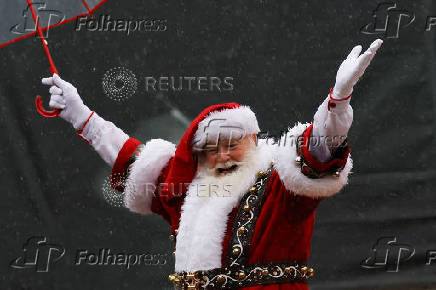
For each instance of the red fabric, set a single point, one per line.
(283, 214)
(338, 161)
(283, 230)
(170, 211)
(184, 164)
(119, 168)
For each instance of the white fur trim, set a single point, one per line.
(235, 123)
(141, 181)
(203, 222)
(296, 181)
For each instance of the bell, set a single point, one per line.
(241, 230)
(176, 231)
(304, 270)
(253, 190)
(310, 272)
(220, 279)
(172, 278)
(265, 272)
(174, 253)
(336, 174)
(241, 275)
(236, 251)
(261, 174)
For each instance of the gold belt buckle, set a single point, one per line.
(186, 280)
(192, 281)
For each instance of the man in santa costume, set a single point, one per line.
(241, 209)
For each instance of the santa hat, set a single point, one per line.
(229, 120)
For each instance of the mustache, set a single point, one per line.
(228, 164)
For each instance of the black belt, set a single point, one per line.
(239, 273)
(244, 276)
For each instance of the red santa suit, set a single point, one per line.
(203, 227)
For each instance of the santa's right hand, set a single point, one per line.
(64, 96)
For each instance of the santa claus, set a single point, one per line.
(241, 209)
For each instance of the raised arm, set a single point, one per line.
(137, 169)
(334, 116)
(102, 135)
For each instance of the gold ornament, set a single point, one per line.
(310, 272)
(265, 272)
(221, 279)
(261, 174)
(236, 251)
(241, 275)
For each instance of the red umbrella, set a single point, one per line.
(74, 9)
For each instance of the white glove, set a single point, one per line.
(353, 68)
(64, 96)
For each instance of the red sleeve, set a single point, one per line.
(339, 157)
(119, 169)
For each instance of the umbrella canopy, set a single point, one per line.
(21, 19)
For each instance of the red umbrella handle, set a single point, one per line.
(38, 99)
(44, 112)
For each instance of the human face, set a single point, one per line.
(227, 151)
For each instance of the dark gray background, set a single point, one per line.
(283, 56)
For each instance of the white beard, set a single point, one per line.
(210, 185)
(206, 207)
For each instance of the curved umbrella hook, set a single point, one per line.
(44, 112)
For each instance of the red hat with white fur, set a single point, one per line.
(229, 120)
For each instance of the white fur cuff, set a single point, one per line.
(291, 175)
(141, 181)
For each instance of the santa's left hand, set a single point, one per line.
(352, 68)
